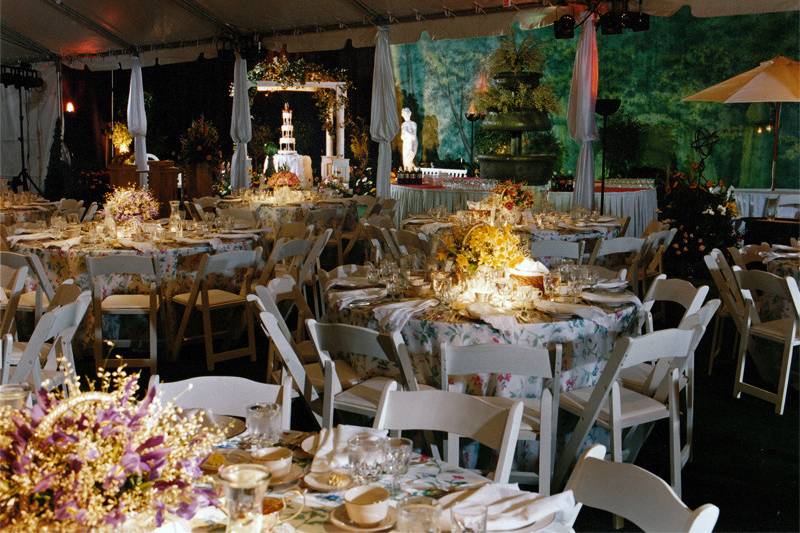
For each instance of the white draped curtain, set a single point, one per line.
(241, 129)
(384, 123)
(580, 117)
(137, 120)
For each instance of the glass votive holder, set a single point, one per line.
(418, 514)
(244, 487)
(14, 395)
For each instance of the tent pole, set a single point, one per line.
(775, 127)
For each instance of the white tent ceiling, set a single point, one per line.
(179, 30)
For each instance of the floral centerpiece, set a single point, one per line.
(284, 178)
(703, 213)
(332, 187)
(482, 245)
(513, 196)
(94, 460)
(129, 204)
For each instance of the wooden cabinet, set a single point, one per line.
(162, 179)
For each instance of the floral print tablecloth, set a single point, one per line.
(587, 343)
(330, 214)
(176, 265)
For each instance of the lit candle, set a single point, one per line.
(180, 180)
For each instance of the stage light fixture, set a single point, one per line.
(611, 23)
(564, 27)
(638, 21)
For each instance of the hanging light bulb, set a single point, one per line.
(759, 130)
(70, 107)
(769, 127)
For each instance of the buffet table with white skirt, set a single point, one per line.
(413, 199)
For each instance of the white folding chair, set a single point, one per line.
(211, 299)
(622, 252)
(206, 203)
(456, 414)
(651, 263)
(676, 291)
(307, 276)
(12, 283)
(749, 254)
(125, 304)
(37, 300)
(245, 215)
(287, 257)
(732, 301)
(68, 206)
(782, 331)
(414, 245)
(558, 249)
(635, 494)
(90, 213)
(225, 395)
(617, 408)
(334, 340)
(50, 340)
(540, 415)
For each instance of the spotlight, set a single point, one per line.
(638, 21)
(611, 23)
(564, 28)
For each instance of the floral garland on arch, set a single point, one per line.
(287, 73)
(94, 460)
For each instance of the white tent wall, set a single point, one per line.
(42, 108)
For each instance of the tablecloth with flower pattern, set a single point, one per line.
(176, 265)
(588, 345)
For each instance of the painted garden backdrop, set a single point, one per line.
(649, 71)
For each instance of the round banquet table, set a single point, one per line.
(176, 265)
(26, 213)
(273, 216)
(587, 347)
(639, 204)
(421, 198)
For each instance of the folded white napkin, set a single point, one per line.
(784, 248)
(213, 242)
(417, 221)
(64, 244)
(342, 299)
(394, 316)
(508, 507)
(611, 298)
(772, 256)
(611, 284)
(350, 282)
(331, 450)
(433, 227)
(500, 322)
(140, 246)
(588, 312)
(14, 239)
(236, 236)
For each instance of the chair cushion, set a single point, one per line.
(635, 408)
(216, 297)
(307, 352)
(124, 302)
(775, 330)
(634, 377)
(347, 376)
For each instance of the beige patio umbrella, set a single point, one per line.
(775, 81)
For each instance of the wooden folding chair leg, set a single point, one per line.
(615, 408)
(783, 380)
(178, 341)
(716, 340)
(740, 365)
(153, 340)
(675, 434)
(97, 342)
(208, 337)
(251, 334)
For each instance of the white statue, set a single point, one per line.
(408, 134)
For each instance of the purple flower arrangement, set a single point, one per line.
(93, 460)
(126, 204)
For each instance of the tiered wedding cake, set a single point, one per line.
(286, 144)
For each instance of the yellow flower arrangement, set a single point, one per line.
(495, 247)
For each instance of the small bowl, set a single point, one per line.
(277, 460)
(367, 504)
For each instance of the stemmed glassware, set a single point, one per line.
(398, 457)
(366, 455)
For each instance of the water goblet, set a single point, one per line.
(468, 519)
(418, 514)
(14, 395)
(366, 455)
(263, 425)
(398, 457)
(244, 486)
